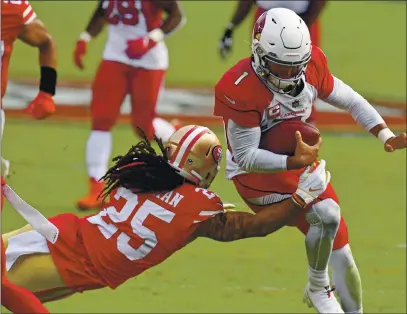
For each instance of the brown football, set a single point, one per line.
(280, 139)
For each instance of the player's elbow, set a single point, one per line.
(245, 160)
(46, 42)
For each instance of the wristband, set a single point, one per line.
(85, 36)
(48, 80)
(156, 35)
(384, 135)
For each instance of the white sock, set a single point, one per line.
(346, 278)
(163, 129)
(318, 278)
(98, 151)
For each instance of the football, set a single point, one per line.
(280, 139)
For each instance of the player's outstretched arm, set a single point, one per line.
(344, 97)
(231, 226)
(36, 35)
(242, 10)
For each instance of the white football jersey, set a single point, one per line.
(129, 20)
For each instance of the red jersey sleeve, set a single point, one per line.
(27, 13)
(210, 205)
(232, 96)
(318, 73)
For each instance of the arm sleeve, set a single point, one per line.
(244, 142)
(28, 14)
(345, 98)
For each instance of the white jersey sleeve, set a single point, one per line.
(345, 98)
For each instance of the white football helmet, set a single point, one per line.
(281, 47)
(196, 152)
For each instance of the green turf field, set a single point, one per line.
(250, 276)
(365, 42)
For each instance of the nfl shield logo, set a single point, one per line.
(295, 103)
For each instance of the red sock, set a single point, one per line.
(19, 300)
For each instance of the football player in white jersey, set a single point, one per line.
(134, 62)
(280, 80)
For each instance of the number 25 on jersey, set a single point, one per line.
(143, 210)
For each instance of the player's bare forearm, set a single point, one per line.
(175, 18)
(376, 129)
(97, 21)
(36, 35)
(232, 226)
(314, 10)
(242, 10)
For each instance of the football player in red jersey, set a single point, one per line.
(17, 299)
(308, 10)
(134, 62)
(158, 204)
(19, 21)
(281, 80)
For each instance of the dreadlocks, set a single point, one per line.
(142, 170)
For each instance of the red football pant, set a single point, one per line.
(113, 81)
(256, 185)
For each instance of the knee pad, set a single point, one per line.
(325, 212)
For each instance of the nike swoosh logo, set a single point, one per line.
(230, 100)
(314, 190)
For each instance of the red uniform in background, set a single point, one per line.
(14, 15)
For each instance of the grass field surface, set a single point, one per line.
(251, 276)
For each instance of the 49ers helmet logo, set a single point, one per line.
(217, 153)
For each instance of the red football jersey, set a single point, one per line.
(14, 15)
(242, 97)
(137, 231)
(247, 97)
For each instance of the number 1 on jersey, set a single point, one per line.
(241, 77)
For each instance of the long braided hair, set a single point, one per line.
(142, 170)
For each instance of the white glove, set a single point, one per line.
(311, 184)
(227, 207)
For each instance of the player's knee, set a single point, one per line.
(328, 212)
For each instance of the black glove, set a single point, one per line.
(225, 44)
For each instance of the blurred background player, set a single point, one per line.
(158, 204)
(18, 20)
(134, 62)
(308, 10)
